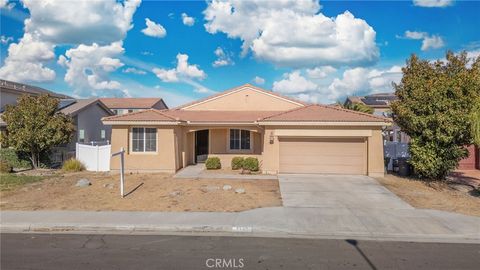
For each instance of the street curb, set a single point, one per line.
(223, 230)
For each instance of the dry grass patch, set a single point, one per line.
(433, 195)
(153, 192)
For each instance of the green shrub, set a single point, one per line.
(73, 165)
(15, 160)
(213, 163)
(5, 167)
(251, 164)
(237, 163)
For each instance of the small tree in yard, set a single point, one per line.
(34, 126)
(435, 107)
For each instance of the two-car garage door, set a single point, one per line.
(322, 155)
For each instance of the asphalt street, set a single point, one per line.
(64, 251)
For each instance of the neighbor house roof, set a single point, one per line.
(28, 89)
(379, 100)
(79, 104)
(322, 113)
(131, 103)
(223, 93)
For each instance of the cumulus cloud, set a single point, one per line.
(97, 24)
(294, 83)
(223, 59)
(258, 80)
(183, 69)
(294, 33)
(320, 72)
(433, 3)
(6, 5)
(353, 81)
(5, 39)
(88, 67)
(154, 29)
(187, 20)
(428, 41)
(134, 71)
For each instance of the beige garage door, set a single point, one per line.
(329, 156)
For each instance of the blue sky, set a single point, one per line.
(310, 50)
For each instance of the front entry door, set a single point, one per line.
(201, 145)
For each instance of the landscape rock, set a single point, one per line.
(240, 190)
(227, 187)
(83, 183)
(109, 185)
(175, 193)
(209, 188)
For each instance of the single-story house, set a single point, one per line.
(129, 105)
(286, 135)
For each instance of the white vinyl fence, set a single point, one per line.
(96, 158)
(395, 150)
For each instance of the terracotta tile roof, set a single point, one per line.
(29, 89)
(237, 88)
(147, 115)
(219, 116)
(130, 103)
(324, 113)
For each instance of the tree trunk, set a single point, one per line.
(34, 157)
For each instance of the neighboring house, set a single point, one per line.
(11, 91)
(380, 103)
(286, 135)
(89, 129)
(129, 105)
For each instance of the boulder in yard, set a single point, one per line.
(84, 182)
(109, 185)
(175, 193)
(227, 187)
(209, 188)
(240, 190)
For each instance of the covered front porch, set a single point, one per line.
(224, 142)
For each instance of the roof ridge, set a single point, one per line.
(238, 88)
(288, 111)
(352, 111)
(132, 113)
(166, 115)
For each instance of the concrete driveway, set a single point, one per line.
(337, 191)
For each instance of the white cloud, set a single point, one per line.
(428, 41)
(88, 68)
(223, 59)
(134, 71)
(5, 39)
(6, 5)
(433, 3)
(183, 69)
(187, 20)
(294, 33)
(146, 53)
(258, 80)
(154, 29)
(294, 83)
(320, 72)
(96, 23)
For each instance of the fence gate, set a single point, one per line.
(96, 158)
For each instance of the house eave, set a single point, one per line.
(322, 123)
(143, 123)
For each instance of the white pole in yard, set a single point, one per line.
(122, 172)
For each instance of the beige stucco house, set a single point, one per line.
(286, 135)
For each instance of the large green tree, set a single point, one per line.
(435, 104)
(34, 126)
(356, 106)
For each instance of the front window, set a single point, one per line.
(144, 139)
(239, 139)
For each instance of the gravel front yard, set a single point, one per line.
(433, 195)
(151, 192)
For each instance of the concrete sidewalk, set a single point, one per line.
(380, 224)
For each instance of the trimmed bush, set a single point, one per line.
(237, 163)
(213, 163)
(73, 165)
(13, 159)
(251, 164)
(5, 167)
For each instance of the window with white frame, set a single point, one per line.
(144, 139)
(239, 139)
